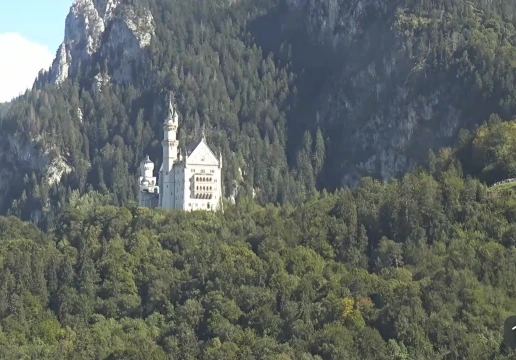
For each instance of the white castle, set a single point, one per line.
(190, 183)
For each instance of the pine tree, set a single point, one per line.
(319, 152)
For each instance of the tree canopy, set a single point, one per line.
(413, 269)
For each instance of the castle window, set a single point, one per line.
(212, 171)
(208, 205)
(193, 170)
(202, 171)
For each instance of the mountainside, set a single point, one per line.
(401, 77)
(296, 94)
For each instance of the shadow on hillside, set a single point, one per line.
(282, 34)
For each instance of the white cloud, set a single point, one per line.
(20, 62)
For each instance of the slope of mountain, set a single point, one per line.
(389, 80)
(296, 94)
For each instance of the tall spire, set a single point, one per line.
(171, 111)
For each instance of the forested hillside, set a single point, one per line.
(415, 269)
(298, 95)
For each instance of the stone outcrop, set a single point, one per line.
(88, 25)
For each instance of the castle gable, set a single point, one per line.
(202, 155)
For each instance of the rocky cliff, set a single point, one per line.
(385, 98)
(106, 28)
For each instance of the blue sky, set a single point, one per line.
(40, 21)
(30, 33)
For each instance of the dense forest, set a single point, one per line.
(420, 268)
(284, 97)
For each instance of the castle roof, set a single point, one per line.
(191, 146)
(172, 117)
(199, 145)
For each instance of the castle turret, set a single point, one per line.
(170, 144)
(147, 168)
(147, 183)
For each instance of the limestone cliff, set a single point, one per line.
(108, 28)
(374, 99)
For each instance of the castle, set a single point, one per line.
(192, 182)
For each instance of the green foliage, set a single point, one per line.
(413, 269)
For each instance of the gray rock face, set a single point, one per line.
(30, 154)
(128, 35)
(389, 120)
(85, 28)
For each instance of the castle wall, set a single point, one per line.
(148, 200)
(202, 188)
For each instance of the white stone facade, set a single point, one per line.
(192, 182)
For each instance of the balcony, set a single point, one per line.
(202, 186)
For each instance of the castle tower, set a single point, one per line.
(147, 184)
(170, 144)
